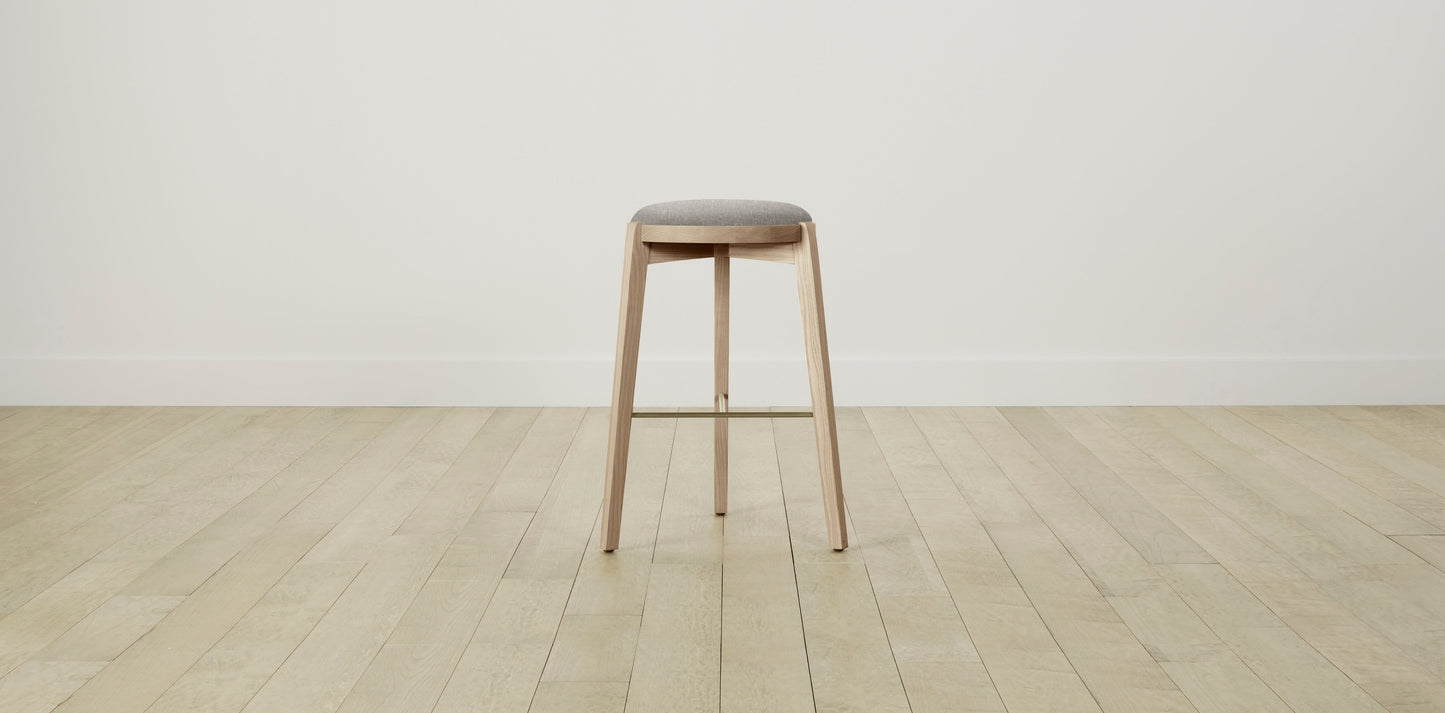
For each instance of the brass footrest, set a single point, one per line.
(713, 413)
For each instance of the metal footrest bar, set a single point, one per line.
(712, 413)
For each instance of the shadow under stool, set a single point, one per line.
(721, 230)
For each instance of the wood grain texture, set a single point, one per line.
(820, 383)
(1016, 559)
(721, 297)
(1119, 671)
(678, 661)
(39, 686)
(43, 482)
(33, 430)
(720, 234)
(147, 668)
(764, 660)
(674, 252)
(131, 540)
(230, 673)
(777, 252)
(624, 383)
(1358, 499)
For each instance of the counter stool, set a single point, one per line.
(722, 230)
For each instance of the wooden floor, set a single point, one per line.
(1019, 559)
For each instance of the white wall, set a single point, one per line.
(1038, 202)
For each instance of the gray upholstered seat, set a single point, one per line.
(721, 212)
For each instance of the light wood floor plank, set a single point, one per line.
(544, 558)
(89, 586)
(764, 659)
(849, 657)
(501, 659)
(1019, 652)
(1421, 447)
(383, 510)
(1408, 494)
(1369, 506)
(677, 665)
(46, 546)
(129, 438)
(553, 545)
(35, 427)
(936, 657)
(1312, 585)
(187, 632)
(418, 633)
(229, 673)
(18, 419)
(1223, 686)
(1306, 507)
(523, 483)
(850, 660)
(110, 629)
(1311, 545)
(155, 462)
(1109, 658)
(192, 533)
(1422, 420)
(148, 667)
(576, 697)
(1403, 601)
(1430, 548)
(616, 582)
(1351, 436)
(803, 496)
(68, 434)
(1151, 533)
(611, 586)
(325, 667)
(240, 429)
(1021, 559)
(688, 531)
(412, 668)
(472, 474)
(39, 686)
(1301, 676)
(1206, 670)
(144, 539)
(898, 560)
(593, 647)
(1115, 563)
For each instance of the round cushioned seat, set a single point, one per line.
(721, 212)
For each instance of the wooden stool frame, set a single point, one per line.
(650, 244)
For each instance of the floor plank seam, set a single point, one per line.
(793, 556)
(1106, 559)
(1246, 527)
(974, 515)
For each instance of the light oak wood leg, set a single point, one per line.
(624, 382)
(820, 379)
(721, 269)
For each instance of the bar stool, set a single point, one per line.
(722, 230)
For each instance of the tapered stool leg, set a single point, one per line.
(624, 381)
(721, 269)
(820, 380)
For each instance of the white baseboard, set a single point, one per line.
(756, 382)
